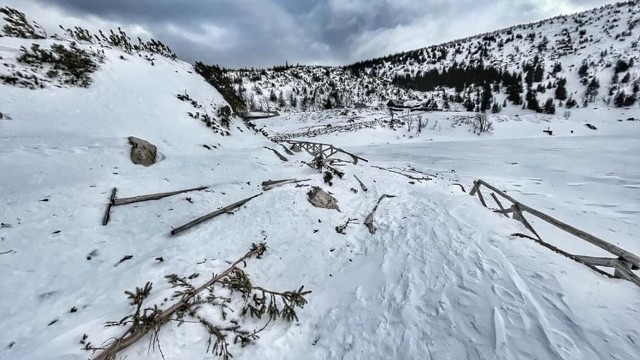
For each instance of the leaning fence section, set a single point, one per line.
(623, 262)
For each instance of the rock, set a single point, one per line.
(142, 151)
(320, 198)
(295, 148)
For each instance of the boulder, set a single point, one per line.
(142, 151)
(295, 148)
(320, 198)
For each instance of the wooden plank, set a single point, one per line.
(495, 198)
(474, 188)
(481, 197)
(107, 211)
(280, 156)
(505, 211)
(562, 252)
(626, 255)
(524, 221)
(270, 184)
(289, 152)
(623, 271)
(364, 188)
(597, 261)
(211, 215)
(156, 196)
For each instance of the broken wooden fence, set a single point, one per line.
(323, 150)
(113, 201)
(623, 265)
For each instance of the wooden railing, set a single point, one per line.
(323, 150)
(623, 264)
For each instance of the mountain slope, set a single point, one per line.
(526, 64)
(441, 275)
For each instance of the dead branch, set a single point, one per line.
(211, 215)
(280, 156)
(461, 187)
(289, 152)
(562, 252)
(368, 221)
(156, 196)
(341, 228)
(364, 188)
(133, 334)
(495, 198)
(107, 211)
(270, 184)
(403, 174)
(412, 169)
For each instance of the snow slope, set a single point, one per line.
(440, 279)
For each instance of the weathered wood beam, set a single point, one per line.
(211, 215)
(270, 184)
(156, 196)
(626, 255)
(280, 156)
(107, 210)
(495, 198)
(362, 185)
(523, 220)
(562, 252)
(598, 261)
(481, 197)
(623, 271)
(368, 221)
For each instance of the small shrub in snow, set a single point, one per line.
(17, 25)
(73, 64)
(222, 307)
(481, 124)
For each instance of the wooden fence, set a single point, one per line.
(323, 150)
(623, 264)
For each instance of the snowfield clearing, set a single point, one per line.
(440, 279)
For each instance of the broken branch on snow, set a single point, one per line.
(369, 220)
(211, 215)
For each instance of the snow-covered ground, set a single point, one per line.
(441, 278)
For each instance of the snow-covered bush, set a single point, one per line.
(72, 64)
(17, 25)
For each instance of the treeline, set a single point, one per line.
(215, 76)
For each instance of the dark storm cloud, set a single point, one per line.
(268, 32)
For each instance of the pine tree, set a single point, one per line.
(561, 90)
(532, 101)
(549, 107)
(487, 96)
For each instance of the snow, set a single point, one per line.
(441, 278)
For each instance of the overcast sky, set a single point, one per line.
(257, 33)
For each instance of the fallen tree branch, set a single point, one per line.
(461, 187)
(107, 211)
(364, 188)
(133, 333)
(270, 184)
(156, 196)
(211, 215)
(280, 156)
(403, 174)
(289, 152)
(368, 221)
(341, 228)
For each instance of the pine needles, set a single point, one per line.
(231, 293)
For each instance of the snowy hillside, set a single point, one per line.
(440, 277)
(564, 62)
(311, 88)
